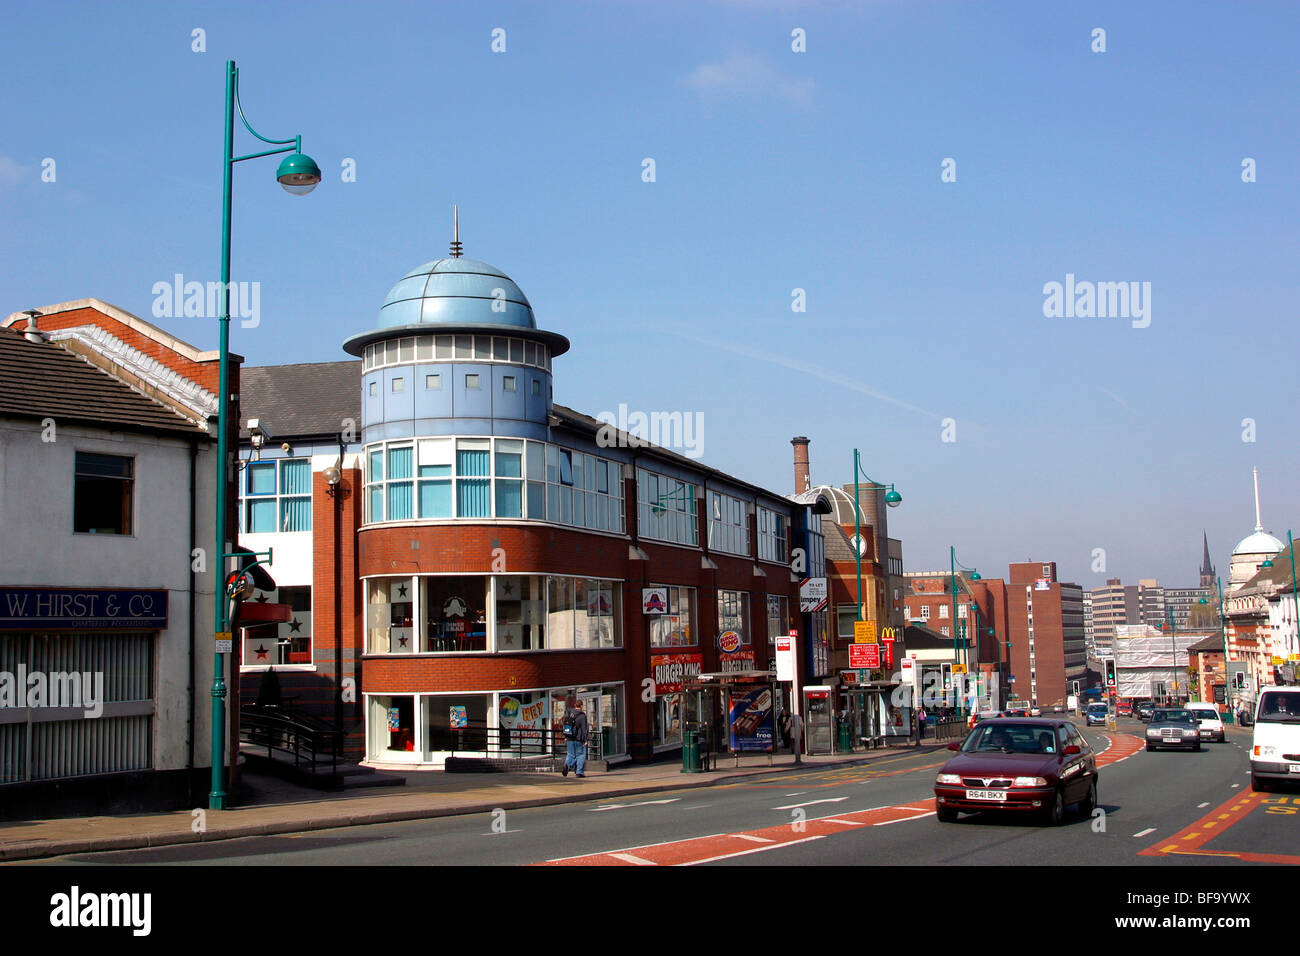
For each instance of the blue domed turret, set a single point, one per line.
(456, 292)
(456, 351)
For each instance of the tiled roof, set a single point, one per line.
(45, 380)
(1212, 643)
(300, 400)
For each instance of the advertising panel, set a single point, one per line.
(750, 718)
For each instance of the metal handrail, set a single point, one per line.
(260, 727)
(508, 742)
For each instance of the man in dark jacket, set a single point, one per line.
(575, 757)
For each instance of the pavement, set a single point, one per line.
(271, 805)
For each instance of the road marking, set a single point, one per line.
(1142, 833)
(847, 823)
(634, 860)
(1235, 786)
(1205, 804)
(797, 793)
(757, 849)
(755, 839)
(698, 806)
(624, 806)
(810, 803)
(904, 819)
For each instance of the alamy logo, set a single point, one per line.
(672, 430)
(81, 690)
(1101, 300)
(198, 300)
(75, 909)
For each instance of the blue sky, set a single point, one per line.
(774, 170)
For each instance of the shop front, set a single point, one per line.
(422, 730)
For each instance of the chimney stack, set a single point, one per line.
(801, 483)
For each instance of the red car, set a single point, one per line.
(1026, 765)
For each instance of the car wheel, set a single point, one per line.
(1150, 748)
(946, 814)
(1258, 785)
(1089, 802)
(1056, 812)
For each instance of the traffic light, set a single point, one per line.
(1110, 672)
(1239, 680)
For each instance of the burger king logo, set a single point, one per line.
(729, 642)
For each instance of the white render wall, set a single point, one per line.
(39, 548)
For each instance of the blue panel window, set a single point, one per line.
(261, 478)
(435, 499)
(510, 502)
(400, 496)
(261, 516)
(472, 458)
(474, 498)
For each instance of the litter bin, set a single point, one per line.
(844, 739)
(690, 752)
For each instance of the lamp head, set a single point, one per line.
(298, 174)
(892, 498)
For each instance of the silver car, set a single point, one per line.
(1173, 728)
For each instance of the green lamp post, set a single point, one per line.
(953, 564)
(299, 175)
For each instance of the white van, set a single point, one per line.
(1208, 720)
(1275, 751)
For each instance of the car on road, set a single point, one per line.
(1036, 766)
(1144, 710)
(1275, 749)
(1208, 720)
(985, 715)
(1035, 712)
(1095, 714)
(1173, 727)
(1125, 708)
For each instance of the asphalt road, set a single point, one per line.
(1162, 808)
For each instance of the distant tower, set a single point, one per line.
(1208, 577)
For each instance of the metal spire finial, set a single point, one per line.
(456, 247)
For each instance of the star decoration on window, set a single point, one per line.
(507, 588)
(260, 599)
(262, 652)
(508, 638)
(401, 642)
(401, 590)
(295, 625)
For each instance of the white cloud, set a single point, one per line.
(748, 75)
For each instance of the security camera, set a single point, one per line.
(258, 432)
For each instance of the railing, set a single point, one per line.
(278, 733)
(503, 742)
(950, 728)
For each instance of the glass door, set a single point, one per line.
(591, 707)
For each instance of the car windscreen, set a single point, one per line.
(1011, 738)
(1175, 716)
(1097, 708)
(1276, 708)
(1203, 713)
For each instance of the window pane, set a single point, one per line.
(473, 498)
(401, 504)
(560, 619)
(261, 478)
(552, 464)
(399, 462)
(376, 510)
(472, 457)
(376, 469)
(530, 353)
(261, 516)
(536, 466)
(501, 349)
(510, 499)
(433, 381)
(516, 350)
(536, 500)
(442, 347)
(482, 346)
(464, 346)
(435, 499)
(424, 348)
(509, 459)
(295, 514)
(406, 350)
(295, 477)
(105, 466)
(566, 467)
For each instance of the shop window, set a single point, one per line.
(733, 614)
(455, 613)
(521, 612)
(676, 628)
(390, 625)
(102, 493)
(392, 727)
(456, 722)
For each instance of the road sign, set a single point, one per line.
(959, 668)
(864, 632)
(864, 656)
(225, 645)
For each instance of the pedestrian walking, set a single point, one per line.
(575, 737)
(920, 724)
(783, 724)
(796, 736)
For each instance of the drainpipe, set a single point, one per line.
(336, 501)
(190, 717)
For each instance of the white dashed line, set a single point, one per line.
(810, 803)
(1142, 833)
(629, 858)
(755, 839)
(1200, 806)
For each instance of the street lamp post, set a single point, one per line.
(299, 175)
(1173, 640)
(952, 588)
(892, 499)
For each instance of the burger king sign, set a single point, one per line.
(729, 642)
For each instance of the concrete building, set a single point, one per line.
(1045, 627)
(1113, 605)
(108, 451)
